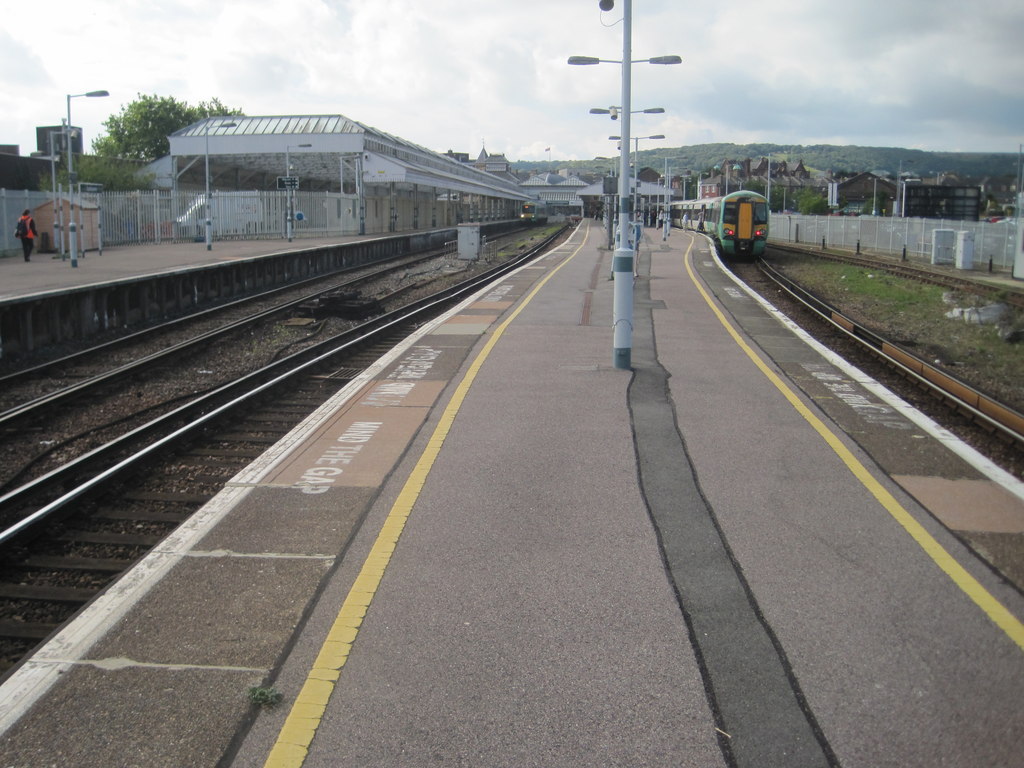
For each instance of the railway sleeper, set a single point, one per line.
(46, 593)
(26, 630)
(163, 496)
(104, 537)
(226, 453)
(59, 563)
(140, 515)
(249, 437)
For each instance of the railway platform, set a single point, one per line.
(48, 272)
(493, 548)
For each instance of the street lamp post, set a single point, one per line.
(616, 111)
(666, 224)
(636, 167)
(290, 213)
(206, 176)
(72, 235)
(728, 172)
(58, 213)
(622, 262)
(901, 191)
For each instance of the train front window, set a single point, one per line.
(730, 213)
(760, 213)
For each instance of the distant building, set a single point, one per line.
(941, 202)
(732, 175)
(17, 172)
(859, 191)
(560, 193)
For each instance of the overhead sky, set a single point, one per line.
(449, 74)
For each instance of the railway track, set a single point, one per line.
(70, 405)
(69, 533)
(135, 349)
(933, 276)
(979, 405)
(992, 427)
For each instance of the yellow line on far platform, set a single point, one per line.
(300, 726)
(984, 599)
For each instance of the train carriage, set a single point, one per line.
(738, 222)
(534, 212)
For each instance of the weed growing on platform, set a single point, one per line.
(265, 696)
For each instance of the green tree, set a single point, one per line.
(876, 205)
(810, 202)
(141, 129)
(114, 174)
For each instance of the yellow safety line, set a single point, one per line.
(982, 597)
(292, 745)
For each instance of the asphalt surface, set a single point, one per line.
(548, 561)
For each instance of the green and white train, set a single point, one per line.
(738, 222)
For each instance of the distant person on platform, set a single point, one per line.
(26, 232)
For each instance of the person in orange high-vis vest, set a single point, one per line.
(26, 232)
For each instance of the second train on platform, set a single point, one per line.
(534, 212)
(737, 222)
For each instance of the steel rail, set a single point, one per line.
(1009, 295)
(212, 405)
(74, 390)
(979, 405)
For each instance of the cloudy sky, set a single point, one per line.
(451, 74)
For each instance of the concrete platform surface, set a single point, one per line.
(494, 548)
(49, 272)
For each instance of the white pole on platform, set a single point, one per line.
(622, 261)
(290, 202)
(206, 175)
(72, 234)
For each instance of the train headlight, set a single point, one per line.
(730, 232)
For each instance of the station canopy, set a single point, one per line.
(323, 151)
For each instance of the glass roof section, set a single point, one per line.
(266, 126)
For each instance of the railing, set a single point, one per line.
(154, 216)
(993, 242)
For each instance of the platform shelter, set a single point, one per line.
(384, 183)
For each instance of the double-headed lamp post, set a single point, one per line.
(72, 234)
(206, 176)
(636, 162)
(901, 190)
(615, 111)
(728, 173)
(290, 213)
(622, 262)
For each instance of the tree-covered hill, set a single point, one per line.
(816, 157)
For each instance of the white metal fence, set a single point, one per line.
(154, 216)
(994, 243)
